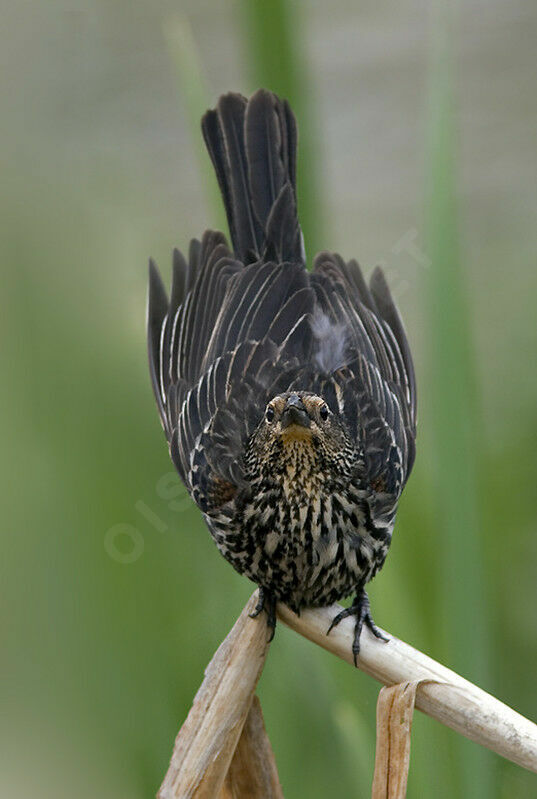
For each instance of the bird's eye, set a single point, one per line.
(323, 413)
(269, 414)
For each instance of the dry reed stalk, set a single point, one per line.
(253, 773)
(207, 740)
(213, 757)
(395, 710)
(444, 695)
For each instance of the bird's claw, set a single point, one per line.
(267, 603)
(361, 609)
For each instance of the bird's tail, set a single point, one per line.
(252, 144)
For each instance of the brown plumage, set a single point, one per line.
(288, 398)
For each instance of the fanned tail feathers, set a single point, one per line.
(252, 144)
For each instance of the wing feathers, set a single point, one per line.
(389, 312)
(243, 325)
(157, 310)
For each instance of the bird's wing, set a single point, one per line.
(362, 348)
(243, 325)
(229, 339)
(237, 322)
(178, 330)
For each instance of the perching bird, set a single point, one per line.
(287, 397)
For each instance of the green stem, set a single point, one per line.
(463, 616)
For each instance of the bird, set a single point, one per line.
(287, 395)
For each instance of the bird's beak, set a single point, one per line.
(295, 414)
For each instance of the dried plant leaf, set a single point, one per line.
(395, 710)
(207, 740)
(253, 773)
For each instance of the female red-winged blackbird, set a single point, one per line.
(287, 397)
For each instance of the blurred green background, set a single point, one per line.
(417, 152)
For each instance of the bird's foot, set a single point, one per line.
(266, 602)
(361, 609)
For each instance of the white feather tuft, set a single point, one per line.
(330, 342)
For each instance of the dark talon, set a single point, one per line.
(361, 609)
(268, 603)
(260, 605)
(350, 611)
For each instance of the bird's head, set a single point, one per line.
(299, 428)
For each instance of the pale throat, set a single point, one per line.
(300, 474)
(296, 433)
